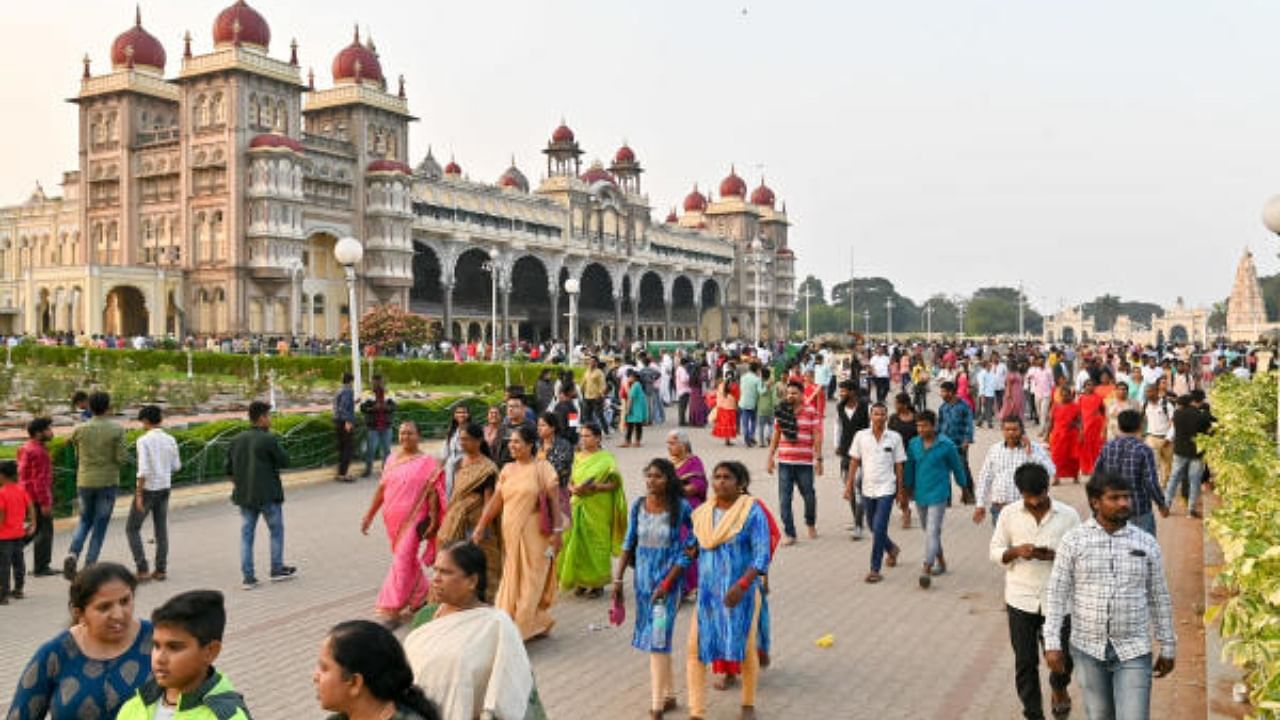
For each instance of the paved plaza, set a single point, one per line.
(899, 652)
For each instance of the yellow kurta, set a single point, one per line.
(528, 580)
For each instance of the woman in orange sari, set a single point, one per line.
(412, 498)
(726, 423)
(1063, 431)
(1093, 426)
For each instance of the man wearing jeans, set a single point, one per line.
(1025, 542)
(254, 461)
(749, 386)
(1109, 577)
(157, 462)
(934, 462)
(796, 449)
(995, 484)
(100, 451)
(1188, 423)
(878, 452)
(377, 442)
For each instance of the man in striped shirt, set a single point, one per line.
(796, 451)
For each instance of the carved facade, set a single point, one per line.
(210, 203)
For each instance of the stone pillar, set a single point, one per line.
(555, 311)
(448, 311)
(501, 337)
(724, 322)
(635, 312)
(617, 315)
(666, 327)
(697, 318)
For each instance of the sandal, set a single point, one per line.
(1061, 709)
(892, 560)
(874, 577)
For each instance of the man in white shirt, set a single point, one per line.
(1157, 417)
(880, 373)
(995, 484)
(1025, 543)
(158, 460)
(880, 454)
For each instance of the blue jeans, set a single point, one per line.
(96, 505)
(931, 517)
(747, 424)
(1146, 521)
(377, 444)
(878, 511)
(789, 478)
(1192, 471)
(273, 513)
(766, 429)
(1114, 689)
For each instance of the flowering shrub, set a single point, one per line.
(1246, 525)
(390, 325)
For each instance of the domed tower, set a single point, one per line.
(627, 169)
(129, 153)
(513, 179)
(429, 168)
(563, 153)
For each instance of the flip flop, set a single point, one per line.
(874, 577)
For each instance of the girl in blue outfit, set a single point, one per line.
(653, 543)
(89, 670)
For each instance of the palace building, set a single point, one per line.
(209, 203)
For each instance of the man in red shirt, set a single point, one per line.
(35, 475)
(16, 515)
(796, 449)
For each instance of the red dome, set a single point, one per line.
(595, 174)
(388, 166)
(695, 201)
(452, 168)
(147, 52)
(671, 217)
(344, 65)
(624, 155)
(785, 252)
(562, 134)
(762, 195)
(733, 186)
(241, 24)
(275, 140)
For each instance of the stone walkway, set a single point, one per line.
(899, 652)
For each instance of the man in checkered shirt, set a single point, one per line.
(1109, 577)
(1131, 458)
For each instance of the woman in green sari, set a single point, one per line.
(599, 509)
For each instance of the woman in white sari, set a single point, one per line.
(468, 656)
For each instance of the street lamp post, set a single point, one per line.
(492, 268)
(960, 314)
(808, 293)
(349, 252)
(888, 309)
(928, 322)
(757, 258)
(572, 286)
(866, 321)
(1271, 219)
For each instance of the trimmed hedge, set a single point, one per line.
(309, 440)
(424, 372)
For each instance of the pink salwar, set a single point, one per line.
(410, 488)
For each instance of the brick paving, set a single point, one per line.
(899, 652)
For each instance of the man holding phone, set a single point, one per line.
(1025, 543)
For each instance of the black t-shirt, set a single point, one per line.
(905, 428)
(1188, 422)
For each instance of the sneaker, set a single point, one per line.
(69, 568)
(284, 572)
(159, 576)
(857, 532)
(249, 583)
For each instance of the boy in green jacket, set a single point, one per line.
(184, 685)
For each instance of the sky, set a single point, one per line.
(1079, 147)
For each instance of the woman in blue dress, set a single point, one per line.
(658, 522)
(732, 531)
(89, 670)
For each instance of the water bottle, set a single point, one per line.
(658, 627)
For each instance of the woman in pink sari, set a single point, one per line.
(412, 498)
(962, 386)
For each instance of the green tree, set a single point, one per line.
(814, 286)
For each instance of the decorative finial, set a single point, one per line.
(513, 159)
(137, 15)
(186, 44)
(293, 52)
(86, 66)
(311, 78)
(368, 32)
(401, 93)
(357, 40)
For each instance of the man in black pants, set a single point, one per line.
(852, 411)
(1025, 543)
(344, 422)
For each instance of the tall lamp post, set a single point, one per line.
(492, 268)
(928, 322)
(866, 322)
(808, 293)
(572, 286)
(888, 310)
(349, 252)
(757, 259)
(1271, 219)
(960, 316)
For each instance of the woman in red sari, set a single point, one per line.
(1093, 426)
(1063, 431)
(411, 496)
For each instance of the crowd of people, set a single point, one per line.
(529, 502)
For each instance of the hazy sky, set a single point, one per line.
(1081, 146)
